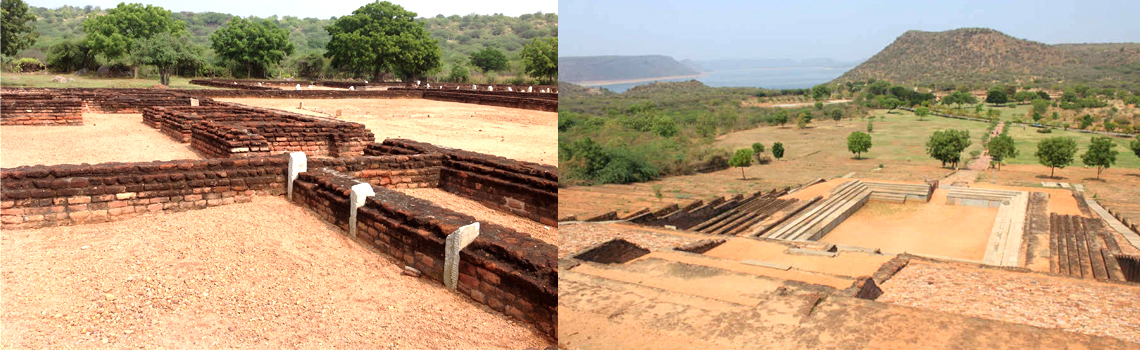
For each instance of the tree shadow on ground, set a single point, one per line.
(1051, 177)
(1093, 179)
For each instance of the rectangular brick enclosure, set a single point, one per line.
(227, 130)
(509, 271)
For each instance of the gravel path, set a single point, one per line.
(266, 274)
(1043, 301)
(102, 138)
(482, 213)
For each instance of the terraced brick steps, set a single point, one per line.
(817, 221)
(893, 192)
(1082, 248)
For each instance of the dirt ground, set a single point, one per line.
(932, 228)
(266, 274)
(514, 133)
(102, 138)
(848, 264)
(484, 214)
(575, 237)
(1070, 304)
(585, 201)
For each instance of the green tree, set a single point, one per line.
(870, 127)
(742, 158)
(70, 55)
(858, 142)
(166, 51)
(1002, 148)
(383, 37)
(781, 117)
(803, 119)
(251, 43)
(959, 98)
(488, 59)
(17, 33)
(821, 92)
(1043, 95)
(835, 115)
(1024, 95)
(310, 65)
(890, 103)
(540, 57)
(778, 150)
(1135, 146)
(113, 35)
(458, 74)
(1056, 152)
(921, 112)
(997, 94)
(1101, 154)
(947, 145)
(758, 150)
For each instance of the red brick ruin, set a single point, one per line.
(507, 270)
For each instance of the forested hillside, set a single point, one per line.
(459, 36)
(980, 57)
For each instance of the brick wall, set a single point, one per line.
(529, 190)
(499, 91)
(304, 93)
(38, 196)
(507, 270)
(230, 85)
(112, 100)
(225, 130)
(538, 104)
(40, 109)
(392, 171)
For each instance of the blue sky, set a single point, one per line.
(324, 8)
(843, 30)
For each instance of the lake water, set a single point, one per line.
(771, 78)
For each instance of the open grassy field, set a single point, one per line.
(816, 152)
(899, 137)
(44, 80)
(1027, 138)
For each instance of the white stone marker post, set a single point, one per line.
(193, 102)
(456, 241)
(297, 164)
(360, 192)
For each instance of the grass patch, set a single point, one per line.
(1026, 142)
(900, 136)
(44, 80)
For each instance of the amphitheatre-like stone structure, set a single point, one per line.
(784, 266)
(245, 149)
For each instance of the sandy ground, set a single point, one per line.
(575, 237)
(1044, 301)
(848, 264)
(266, 274)
(586, 201)
(519, 134)
(484, 214)
(932, 228)
(102, 138)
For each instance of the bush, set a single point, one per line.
(518, 81)
(458, 75)
(26, 64)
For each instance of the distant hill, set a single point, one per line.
(614, 68)
(694, 65)
(981, 56)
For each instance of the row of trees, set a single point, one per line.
(743, 157)
(378, 38)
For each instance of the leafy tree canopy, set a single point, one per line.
(17, 33)
(541, 59)
(489, 59)
(382, 36)
(165, 51)
(1056, 152)
(251, 43)
(113, 34)
(858, 142)
(778, 150)
(742, 158)
(1101, 154)
(1002, 148)
(947, 145)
